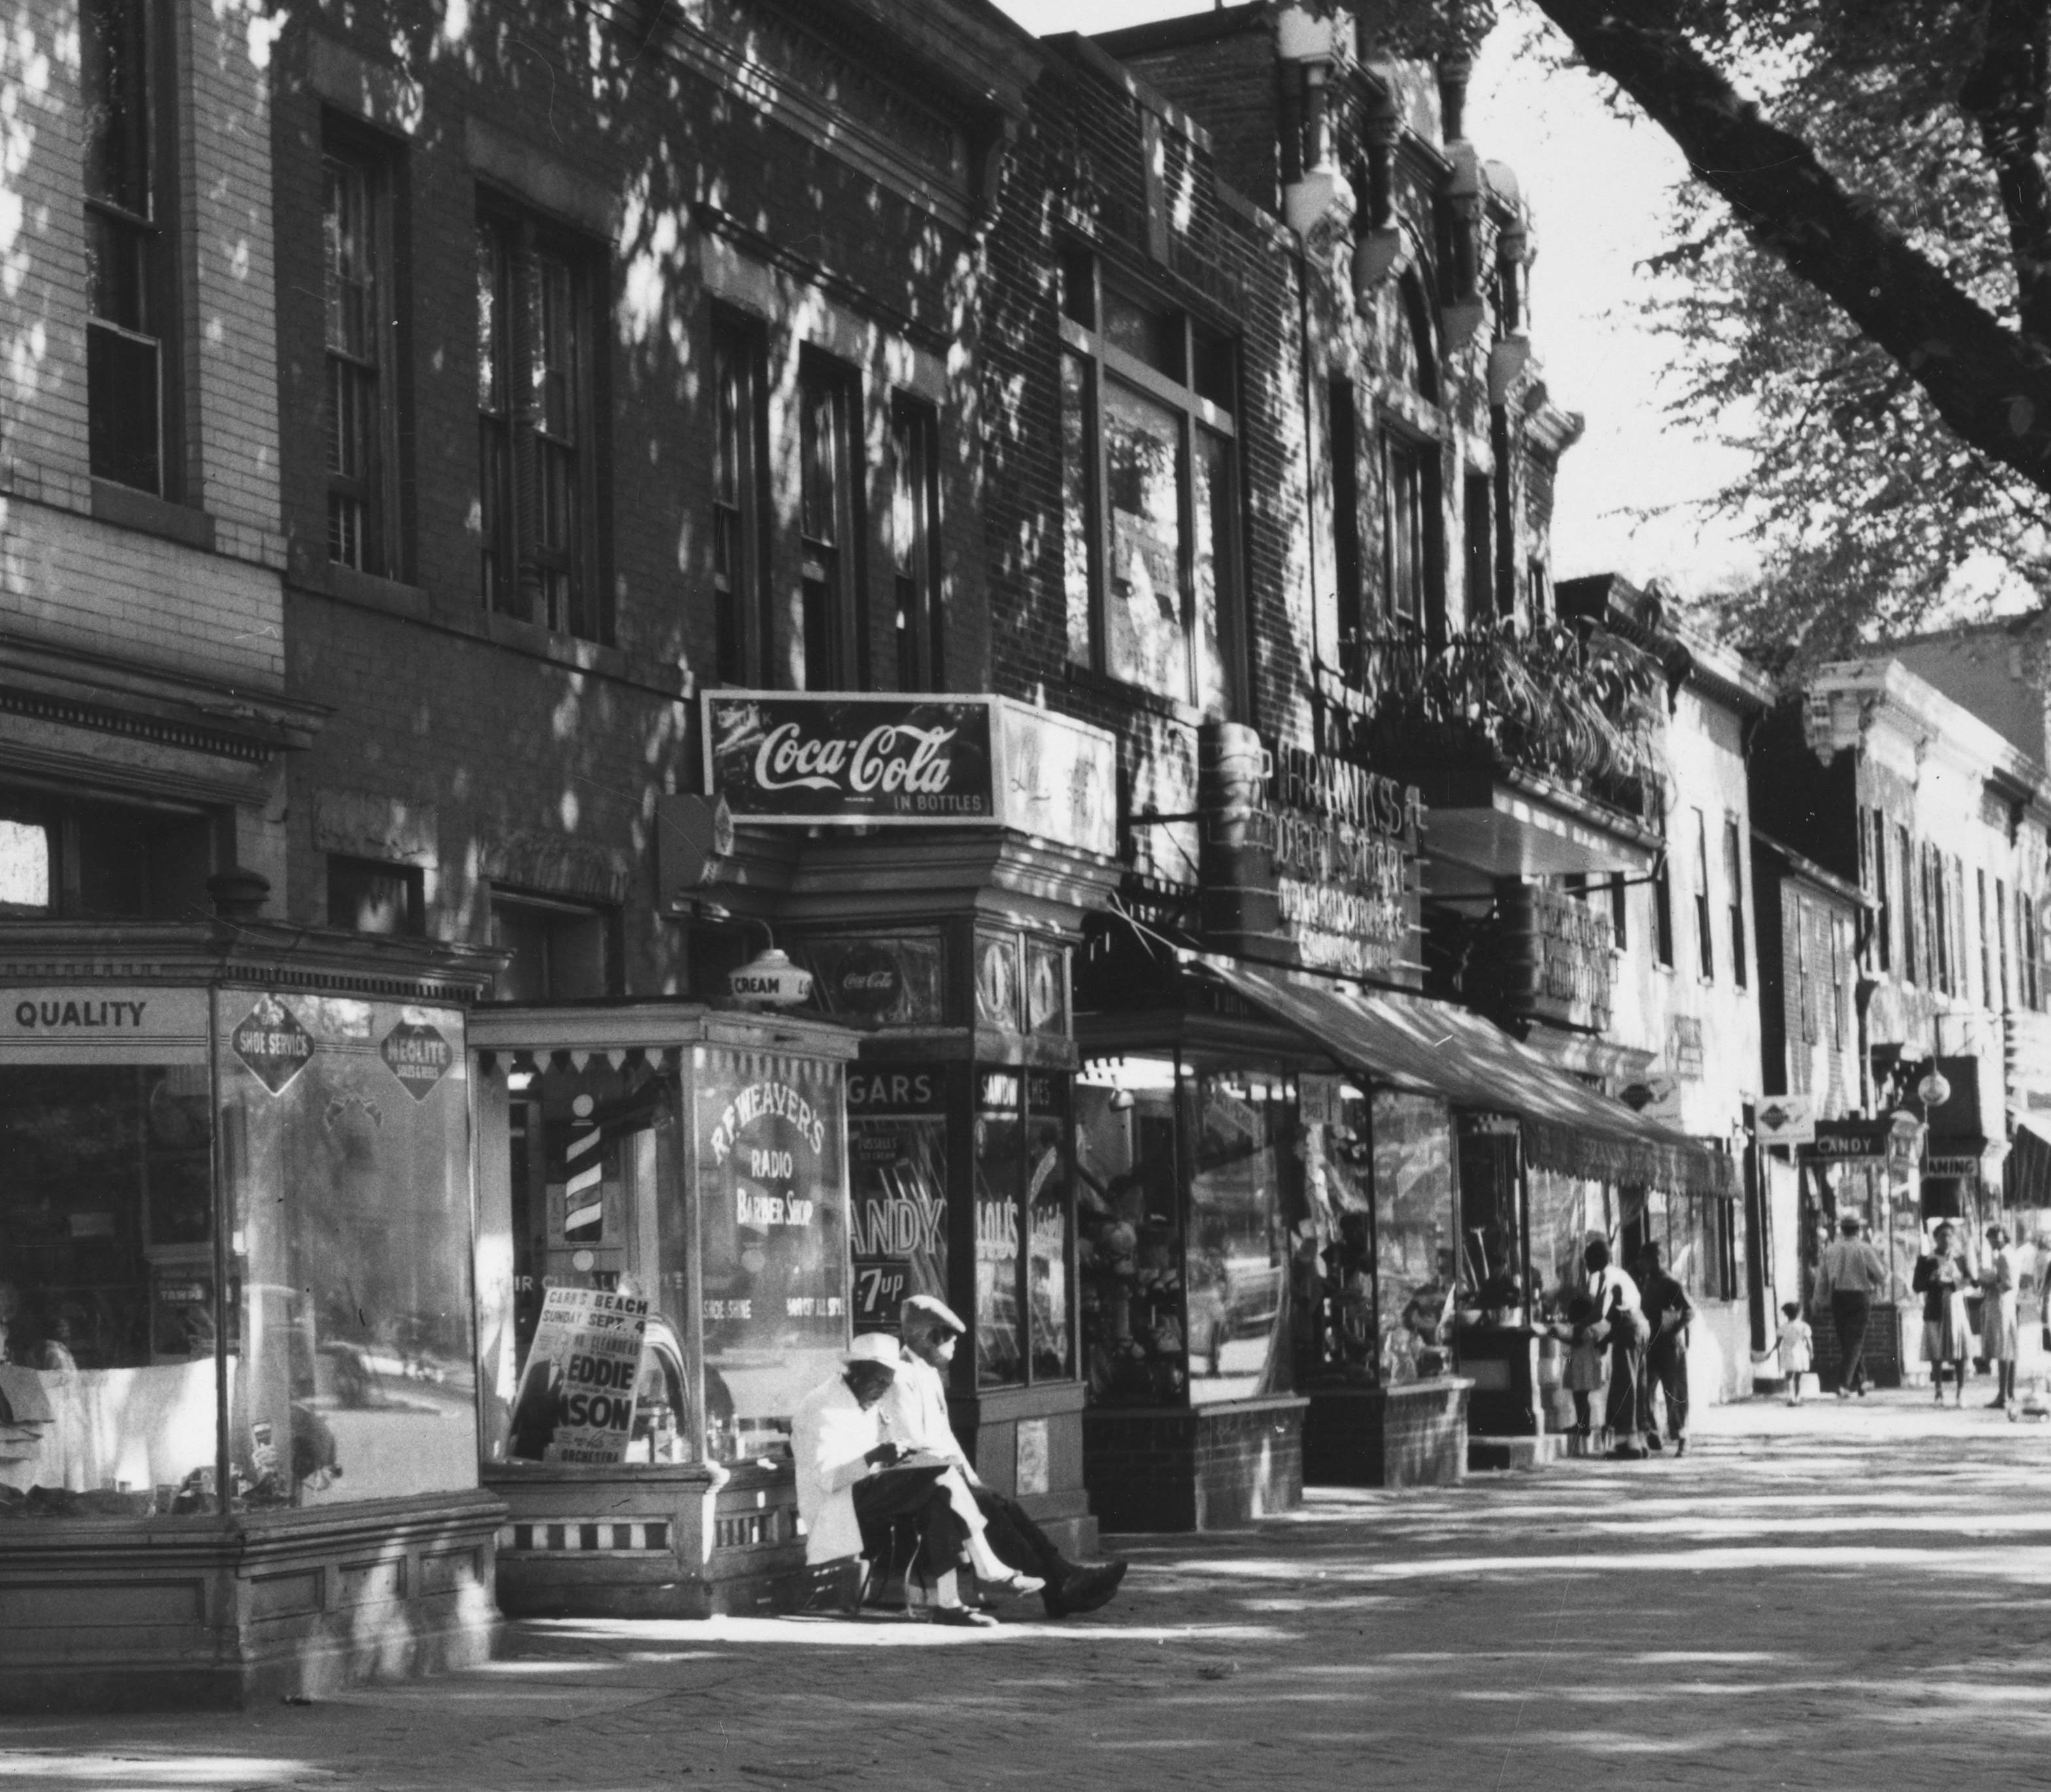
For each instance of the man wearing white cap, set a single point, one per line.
(852, 1489)
(915, 1413)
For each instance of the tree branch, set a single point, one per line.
(2005, 98)
(1990, 384)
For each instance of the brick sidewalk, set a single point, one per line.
(1845, 1596)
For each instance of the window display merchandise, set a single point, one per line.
(664, 1269)
(235, 1307)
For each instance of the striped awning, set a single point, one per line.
(1433, 1048)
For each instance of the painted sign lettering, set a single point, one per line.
(782, 758)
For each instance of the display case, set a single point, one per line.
(237, 1367)
(663, 1272)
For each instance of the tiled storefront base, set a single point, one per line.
(1412, 1434)
(653, 1542)
(1193, 1469)
(249, 1610)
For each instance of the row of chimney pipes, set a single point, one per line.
(1306, 150)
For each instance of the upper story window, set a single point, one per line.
(1662, 911)
(537, 424)
(740, 495)
(360, 338)
(562, 950)
(1409, 471)
(1705, 927)
(1734, 880)
(63, 856)
(1150, 492)
(1904, 860)
(915, 544)
(2003, 993)
(368, 896)
(1478, 512)
(128, 274)
(831, 620)
(1883, 922)
(1342, 434)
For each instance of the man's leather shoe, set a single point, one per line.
(1083, 1590)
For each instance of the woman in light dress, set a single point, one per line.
(1942, 1277)
(1998, 1337)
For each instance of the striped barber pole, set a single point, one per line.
(588, 1536)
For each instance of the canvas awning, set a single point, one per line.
(1433, 1048)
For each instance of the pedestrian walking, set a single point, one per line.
(1795, 1347)
(1999, 1342)
(1942, 1277)
(1619, 1306)
(1668, 1313)
(1851, 1277)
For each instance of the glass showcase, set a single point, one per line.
(1190, 1192)
(321, 1300)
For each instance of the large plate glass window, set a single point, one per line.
(345, 1153)
(109, 1306)
(773, 1234)
(1150, 492)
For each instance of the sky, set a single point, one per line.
(1598, 186)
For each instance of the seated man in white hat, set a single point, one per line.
(915, 1414)
(854, 1486)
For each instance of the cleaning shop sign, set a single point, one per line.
(808, 760)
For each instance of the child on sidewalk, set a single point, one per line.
(1795, 1347)
(1583, 1375)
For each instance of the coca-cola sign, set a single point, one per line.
(791, 757)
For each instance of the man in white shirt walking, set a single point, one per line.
(852, 1491)
(915, 1413)
(1850, 1279)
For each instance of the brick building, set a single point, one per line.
(1043, 545)
(1938, 821)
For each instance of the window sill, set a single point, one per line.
(390, 597)
(148, 514)
(1136, 697)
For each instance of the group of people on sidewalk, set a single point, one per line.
(882, 1477)
(1852, 1275)
(1629, 1334)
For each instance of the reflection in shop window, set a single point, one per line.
(1245, 1187)
(773, 1236)
(1128, 1234)
(1047, 1179)
(1000, 1352)
(25, 867)
(108, 1371)
(591, 1150)
(1417, 1269)
(346, 1151)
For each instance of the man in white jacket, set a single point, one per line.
(915, 1414)
(854, 1485)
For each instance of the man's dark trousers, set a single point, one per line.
(1019, 1544)
(1850, 1313)
(1666, 1368)
(914, 1497)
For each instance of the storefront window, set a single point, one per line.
(1047, 1183)
(999, 1337)
(897, 1159)
(1564, 1210)
(1415, 1263)
(592, 1152)
(1238, 1199)
(346, 1151)
(1128, 1234)
(107, 1368)
(1333, 1284)
(1489, 1249)
(773, 1226)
